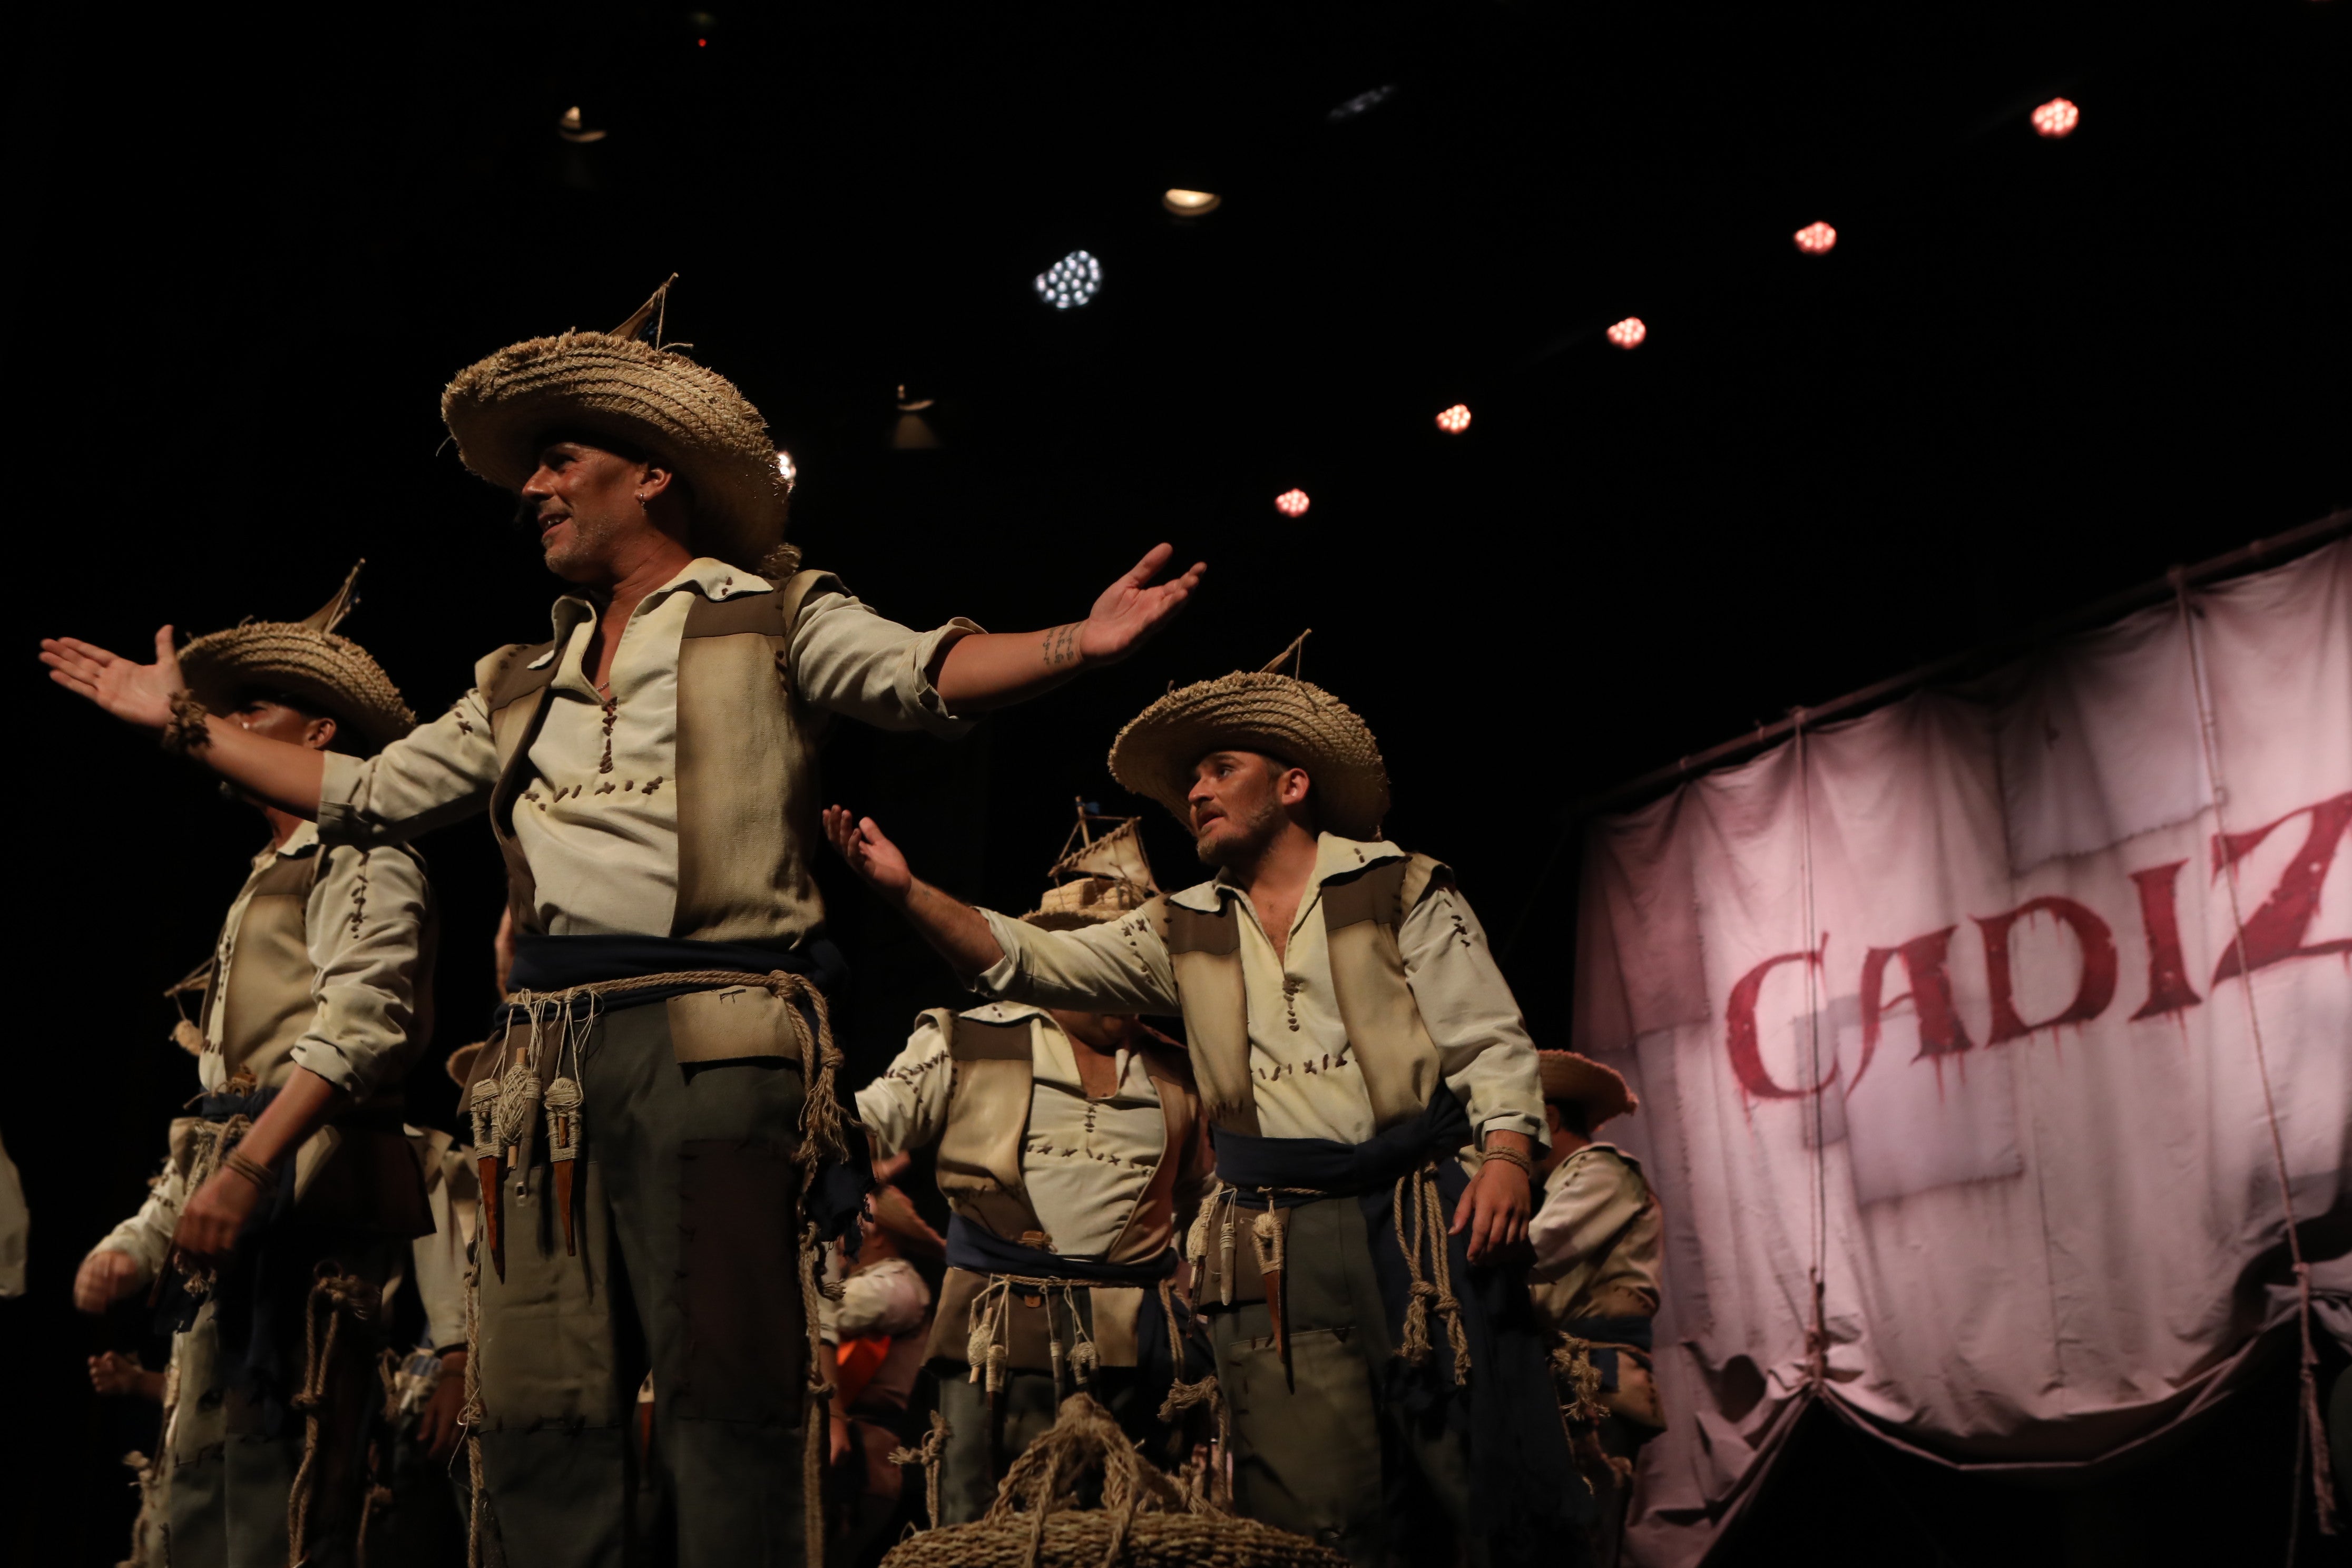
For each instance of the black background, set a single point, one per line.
(248, 245)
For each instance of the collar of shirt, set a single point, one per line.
(304, 835)
(712, 579)
(1333, 857)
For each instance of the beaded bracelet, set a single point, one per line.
(186, 733)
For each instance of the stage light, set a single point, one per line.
(1073, 280)
(1363, 103)
(2056, 117)
(571, 128)
(914, 433)
(1816, 239)
(1629, 332)
(1455, 420)
(1291, 503)
(1190, 204)
(786, 467)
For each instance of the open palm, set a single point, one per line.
(1131, 609)
(139, 694)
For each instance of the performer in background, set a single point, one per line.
(1373, 1101)
(648, 772)
(291, 1195)
(875, 1334)
(1069, 1146)
(1595, 1280)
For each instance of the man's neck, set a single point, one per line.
(647, 574)
(282, 826)
(1282, 869)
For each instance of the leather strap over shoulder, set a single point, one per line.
(978, 1040)
(1188, 929)
(1420, 874)
(507, 676)
(796, 591)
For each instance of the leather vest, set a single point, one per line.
(1360, 914)
(746, 770)
(988, 1123)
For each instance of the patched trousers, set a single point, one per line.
(687, 1264)
(1317, 1451)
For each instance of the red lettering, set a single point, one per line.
(2169, 990)
(1747, 1057)
(2092, 994)
(2274, 934)
(1927, 963)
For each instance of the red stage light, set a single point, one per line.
(2056, 117)
(1816, 239)
(1291, 503)
(1629, 332)
(1455, 420)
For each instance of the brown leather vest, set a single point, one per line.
(1361, 914)
(746, 784)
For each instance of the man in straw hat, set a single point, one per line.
(1068, 1143)
(289, 1197)
(1358, 1056)
(1595, 1280)
(648, 772)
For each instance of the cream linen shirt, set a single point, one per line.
(887, 1297)
(602, 843)
(1084, 1162)
(146, 1236)
(365, 916)
(1305, 1078)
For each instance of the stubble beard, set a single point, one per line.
(1258, 830)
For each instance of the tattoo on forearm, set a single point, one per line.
(1062, 645)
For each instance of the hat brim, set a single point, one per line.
(501, 409)
(1601, 1091)
(324, 669)
(1277, 715)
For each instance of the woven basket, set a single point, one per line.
(1146, 1520)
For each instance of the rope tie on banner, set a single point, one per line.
(2311, 1431)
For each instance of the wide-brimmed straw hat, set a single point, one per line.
(641, 395)
(1279, 715)
(307, 660)
(1581, 1081)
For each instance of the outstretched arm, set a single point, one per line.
(284, 774)
(948, 924)
(989, 670)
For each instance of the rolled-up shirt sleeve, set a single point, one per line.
(1471, 1017)
(1121, 966)
(146, 1236)
(852, 661)
(438, 773)
(368, 915)
(907, 1107)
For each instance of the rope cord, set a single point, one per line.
(2311, 1433)
(334, 1297)
(1419, 1214)
(930, 1453)
(1817, 1337)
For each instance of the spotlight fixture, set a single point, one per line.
(2056, 117)
(571, 128)
(786, 467)
(1073, 280)
(1816, 239)
(1291, 503)
(1190, 203)
(914, 433)
(1455, 420)
(1362, 103)
(1629, 332)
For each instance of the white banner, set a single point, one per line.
(1959, 1012)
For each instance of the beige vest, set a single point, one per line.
(1361, 914)
(747, 800)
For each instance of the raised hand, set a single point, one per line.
(875, 858)
(1131, 609)
(137, 693)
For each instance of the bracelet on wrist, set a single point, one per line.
(252, 1170)
(186, 733)
(1513, 1157)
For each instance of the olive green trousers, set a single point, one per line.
(685, 1220)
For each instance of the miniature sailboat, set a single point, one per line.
(1100, 875)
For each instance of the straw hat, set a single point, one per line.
(304, 659)
(616, 383)
(1583, 1081)
(1280, 715)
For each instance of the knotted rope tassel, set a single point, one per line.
(930, 1453)
(1416, 1199)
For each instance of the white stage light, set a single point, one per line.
(1629, 332)
(1362, 102)
(1073, 280)
(573, 129)
(1291, 503)
(2056, 117)
(786, 467)
(1190, 203)
(1816, 239)
(1455, 420)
